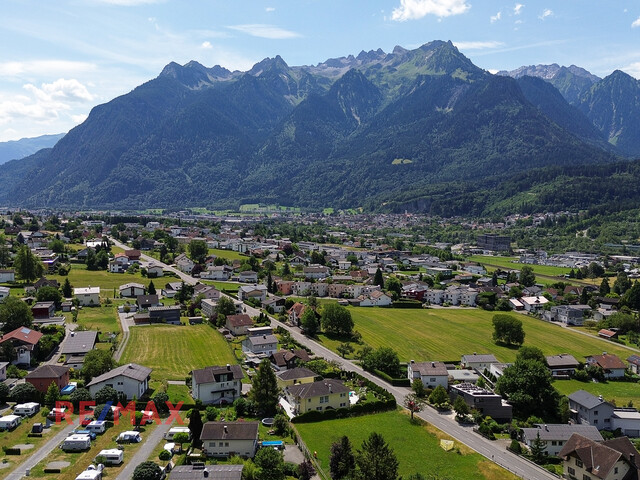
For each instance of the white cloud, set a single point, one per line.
(546, 13)
(265, 31)
(477, 45)
(496, 17)
(415, 9)
(517, 10)
(270, 9)
(52, 67)
(70, 90)
(79, 118)
(128, 3)
(633, 69)
(206, 45)
(636, 23)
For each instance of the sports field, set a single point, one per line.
(446, 334)
(173, 350)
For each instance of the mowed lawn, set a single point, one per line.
(621, 392)
(103, 318)
(79, 276)
(447, 334)
(507, 263)
(416, 447)
(173, 350)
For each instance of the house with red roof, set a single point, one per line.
(611, 364)
(24, 341)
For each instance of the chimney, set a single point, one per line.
(205, 474)
(413, 361)
(632, 458)
(601, 398)
(546, 428)
(433, 364)
(225, 429)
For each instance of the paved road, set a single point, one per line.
(147, 448)
(519, 466)
(41, 453)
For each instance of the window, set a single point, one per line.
(571, 471)
(432, 380)
(595, 412)
(226, 444)
(324, 399)
(595, 422)
(578, 463)
(585, 477)
(615, 470)
(220, 444)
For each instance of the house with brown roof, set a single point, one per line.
(613, 459)
(634, 363)
(24, 341)
(287, 359)
(322, 395)
(562, 365)
(226, 439)
(431, 374)
(611, 364)
(217, 384)
(295, 376)
(238, 324)
(45, 375)
(133, 255)
(555, 436)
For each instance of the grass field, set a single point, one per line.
(103, 318)
(416, 447)
(227, 254)
(508, 263)
(446, 334)
(79, 276)
(621, 392)
(173, 351)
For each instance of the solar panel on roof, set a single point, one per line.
(25, 330)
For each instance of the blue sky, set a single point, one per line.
(60, 58)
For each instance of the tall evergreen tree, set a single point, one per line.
(604, 287)
(342, 462)
(27, 265)
(264, 389)
(67, 289)
(378, 279)
(376, 460)
(151, 289)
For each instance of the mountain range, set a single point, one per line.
(408, 129)
(17, 149)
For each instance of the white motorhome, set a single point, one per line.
(112, 456)
(26, 409)
(129, 437)
(91, 473)
(9, 422)
(76, 442)
(97, 426)
(173, 431)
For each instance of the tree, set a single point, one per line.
(595, 270)
(631, 298)
(225, 306)
(527, 276)
(395, 287)
(309, 322)
(538, 447)
(531, 353)
(378, 279)
(336, 319)
(27, 265)
(341, 461)
(384, 359)
(198, 250)
(264, 390)
(181, 438)
(507, 329)
(106, 394)
(147, 471)
(52, 395)
(15, 313)
(49, 294)
(605, 289)
(160, 400)
(4, 393)
(97, 362)
(306, 470)
(413, 403)
(25, 392)
(195, 426)
(151, 289)
(270, 463)
(460, 407)
(345, 349)
(418, 388)
(67, 289)
(102, 260)
(80, 395)
(271, 288)
(376, 460)
(439, 396)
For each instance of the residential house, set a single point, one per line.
(587, 409)
(554, 436)
(76, 346)
(256, 292)
(132, 290)
(222, 272)
(275, 303)
(322, 395)
(295, 313)
(260, 345)
(316, 271)
(43, 376)
(612, 366)
(206, 291)
(7, 275)
(167, 314)
(217, 384)
(562, 365)
(154, 270)
(288, 359)
(295, 376)
(432, 374)
(634, 364)
(130, 379)
(87, 296)
(3, 371)
(147, 301)
(4, 293)
(200, 471)
(133, 255)
(584, 458)
(285, 287)
(43, 310)
(44, 282)
(567, 314)
(248, 276)
(238, 324)
(486, 402)
(208, 307)
(171, 289)
(478, 362)
(375, 299)
(24, 341)
(226, 439)
(534, 304)
(184, 263)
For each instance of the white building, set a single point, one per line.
(223, 439)
(217, 385)
(87, 296)
(432, 374)
(131, 379)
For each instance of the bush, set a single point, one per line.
(164, 455)
(515, 447)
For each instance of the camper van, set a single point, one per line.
(91, 473)
(129, 437)
(57, 413)
(173, 431)
(112, 456)
(9, 422)
(97, 426)
(76, 442)
(26, 409)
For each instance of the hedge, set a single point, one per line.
(407, 303)
(396, 382)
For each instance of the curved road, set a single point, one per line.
(463, 434)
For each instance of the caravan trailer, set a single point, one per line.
(112, 456)
(91, 473)
(129, 437)
(172, 432)
(26, 409)
(76, 442)
(9, 422)
(97, 426)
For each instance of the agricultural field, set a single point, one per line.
(448, 333)
(510, 263)
(621, 393)
(417, 447)
(173, 350)
(228, 254)
(103, 318)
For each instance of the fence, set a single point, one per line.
(307, 453)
